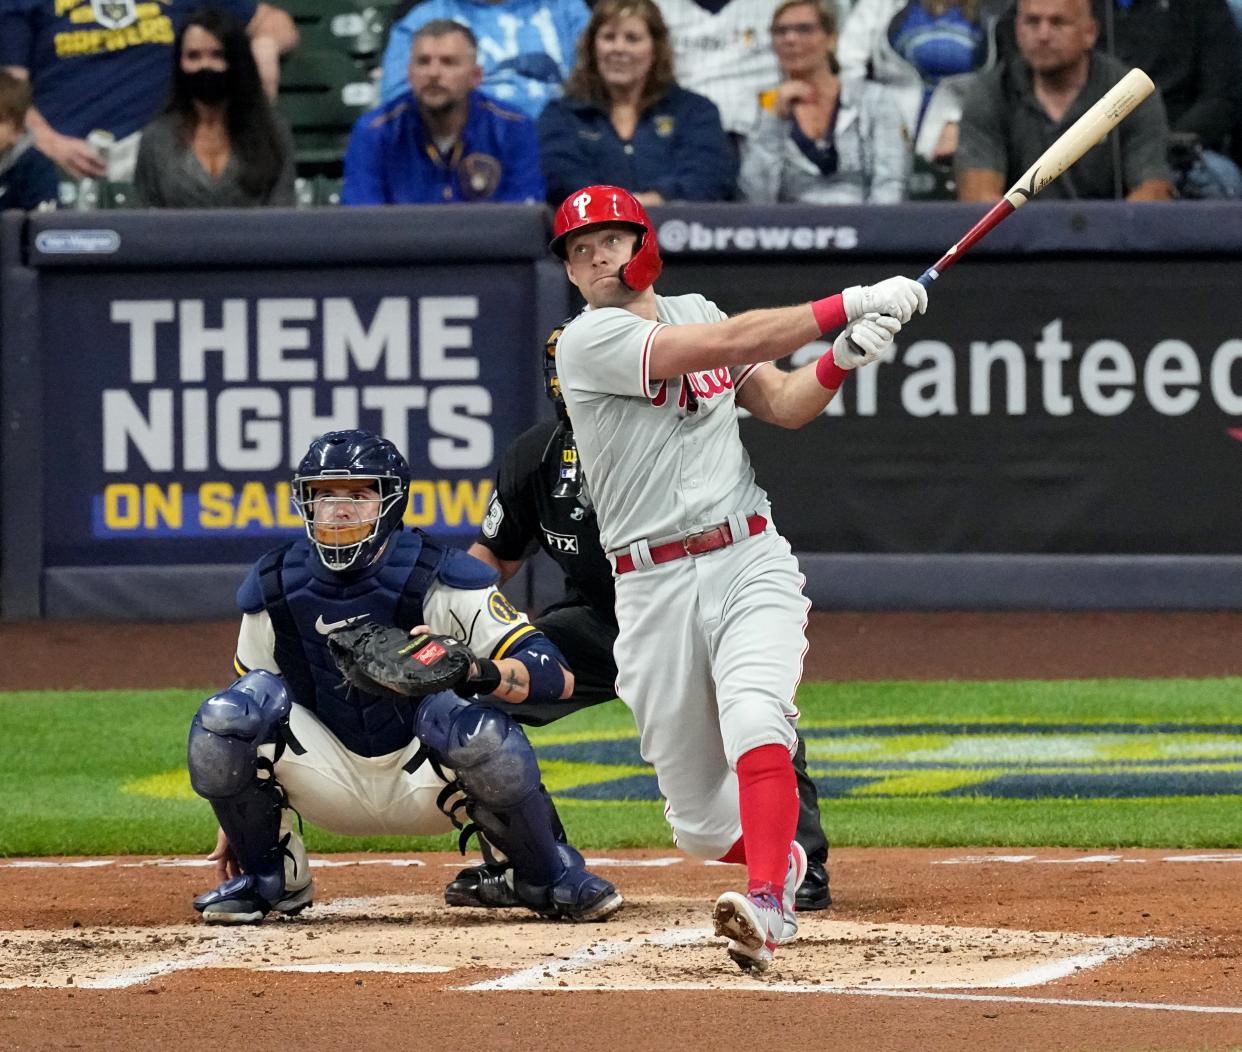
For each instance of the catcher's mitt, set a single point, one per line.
(385, 659)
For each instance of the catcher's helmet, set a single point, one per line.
(593, 205)
(345, 458)
(552, 382)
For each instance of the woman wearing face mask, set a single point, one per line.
(218, 143)
(625, 122)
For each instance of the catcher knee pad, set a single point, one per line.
(227, 730)
(488, 751)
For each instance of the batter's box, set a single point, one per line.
(830, 955)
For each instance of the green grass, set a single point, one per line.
(103, 773)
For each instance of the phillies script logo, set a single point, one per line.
(696, 387)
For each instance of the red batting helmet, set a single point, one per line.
(593, 205)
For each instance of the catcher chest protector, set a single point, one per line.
(593, 205)
(300, 595)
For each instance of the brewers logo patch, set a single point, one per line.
(501, 609)
(480, 176)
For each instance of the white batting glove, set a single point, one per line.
(900, 296)
(865, 340)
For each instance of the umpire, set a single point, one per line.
(542, 501)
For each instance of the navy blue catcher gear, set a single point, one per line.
(226, 769)
(346, 459)
(496, 766)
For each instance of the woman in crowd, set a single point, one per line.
(624, 121)
(812, 143)
(920, 50)
(218, 142)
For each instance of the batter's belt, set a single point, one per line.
(708, 539)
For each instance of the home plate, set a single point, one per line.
(653, 943)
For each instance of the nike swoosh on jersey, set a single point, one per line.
(325, 629)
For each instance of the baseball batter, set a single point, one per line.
(709, 598)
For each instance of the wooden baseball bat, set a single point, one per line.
(1078, 138)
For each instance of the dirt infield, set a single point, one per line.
(1015, 949)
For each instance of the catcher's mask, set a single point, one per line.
(347, 526)
(593, 205)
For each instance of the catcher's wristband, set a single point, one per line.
(830, 375)
(487, 679)
(829, 313)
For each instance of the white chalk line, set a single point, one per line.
(621, 863)
(316, 863)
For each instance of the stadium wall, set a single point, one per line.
(1059, 431)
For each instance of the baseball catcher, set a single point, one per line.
(361, 664)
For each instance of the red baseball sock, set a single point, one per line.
(768, 794)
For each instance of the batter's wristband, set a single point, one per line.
(830, 375)
(829, 313)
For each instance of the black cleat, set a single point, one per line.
(238, 901)
(486, 886)
(813, 894)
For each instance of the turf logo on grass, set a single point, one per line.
(1020, 760)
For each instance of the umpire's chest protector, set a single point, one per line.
(306, 603)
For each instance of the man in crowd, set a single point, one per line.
(1012, 113)
(442, 140)
(526, 47)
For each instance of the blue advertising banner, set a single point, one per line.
(172, 432)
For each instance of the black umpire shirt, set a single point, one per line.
(523, 515)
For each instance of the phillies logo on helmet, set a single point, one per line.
(593, 205)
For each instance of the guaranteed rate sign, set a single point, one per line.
(200, 407)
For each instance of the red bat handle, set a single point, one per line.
(995, 214)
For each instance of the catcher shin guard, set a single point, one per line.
(226, 769)
(496, 766)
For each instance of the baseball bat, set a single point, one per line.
(1077, 139)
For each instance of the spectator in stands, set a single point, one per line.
(721, 49)
(922, 51)
(218, 142)
(1191, 49)
(27, 177)
(99, 70)
(1012, 113)
(526, 47)
(810, 144)
(443, 140)
(625, 122)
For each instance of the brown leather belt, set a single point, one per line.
(706, 540)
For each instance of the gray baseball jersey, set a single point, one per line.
(665, 458)
(709, 649)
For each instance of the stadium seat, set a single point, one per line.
(321, 95)
(931, 181)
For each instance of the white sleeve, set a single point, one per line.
(481, 617)
(256, 644)
(607, 351)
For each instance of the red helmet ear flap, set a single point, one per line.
(593, 205)
(645, 265)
